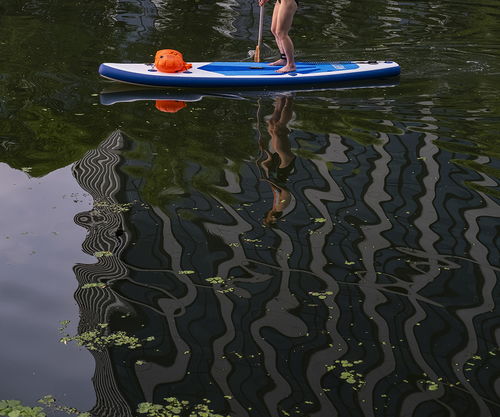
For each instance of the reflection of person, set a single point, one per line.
(283, 13)
(278, 162)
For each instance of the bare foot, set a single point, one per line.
(280, 62)
(287, 68)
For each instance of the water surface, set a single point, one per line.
(307, 253)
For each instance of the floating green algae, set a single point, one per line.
(14, 408)
(50, 401)
(215, 280)
(102, 253)
(96, 339)
(322, 295)
(176, 407)
(348, 372)
(221, 285)
(113, 207)
(94, 285)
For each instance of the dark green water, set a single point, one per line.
(374, 294)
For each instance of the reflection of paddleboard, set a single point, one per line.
(121, 93)
(128, 94)
(249, 74)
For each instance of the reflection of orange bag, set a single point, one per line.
(170, 106)
(170, 60)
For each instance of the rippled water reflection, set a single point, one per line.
(307, 253)
(373, 291)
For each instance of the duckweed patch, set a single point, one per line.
(50, 402)
(94, 285)
(220, 284)
(176, 407)
(252, 240)
(432, 386)
(14, 408)
(97, 339)
(215, 280)
(102, 253)
(475, 361)
(348, 372)
(113, 207)
(64, 324)
(322, 295)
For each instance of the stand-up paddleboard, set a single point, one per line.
(249, 74)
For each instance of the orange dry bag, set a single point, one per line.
(170, 60)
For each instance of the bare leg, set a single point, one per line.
(274, 24)
(281, 23)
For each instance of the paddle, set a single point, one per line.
(256, 57)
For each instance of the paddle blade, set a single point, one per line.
(256, 57)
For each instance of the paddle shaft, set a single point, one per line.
(259, 41)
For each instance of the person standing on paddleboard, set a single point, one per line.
(283, 13)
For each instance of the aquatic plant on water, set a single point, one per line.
(14, 408)
(176, 407)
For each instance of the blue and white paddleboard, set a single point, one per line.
(249, 74)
